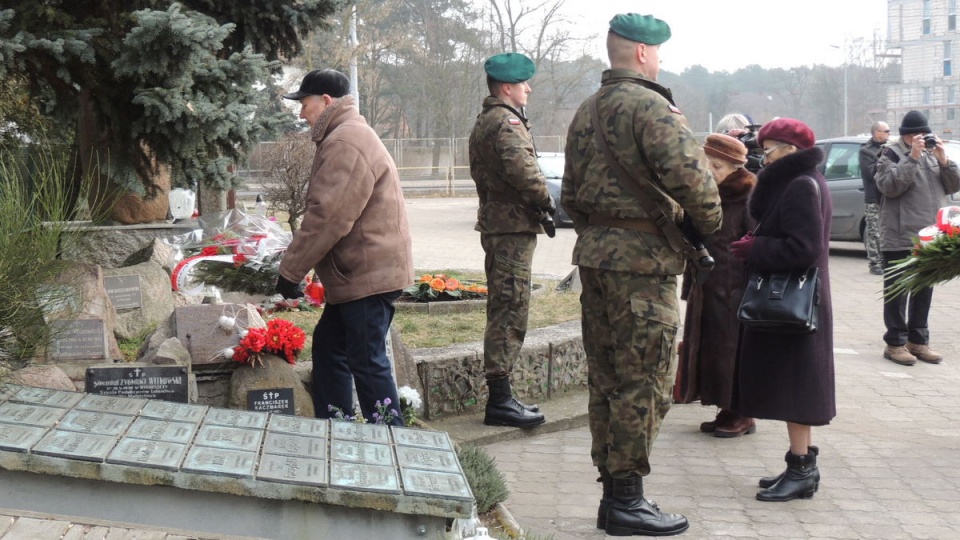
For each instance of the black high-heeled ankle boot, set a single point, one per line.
(801, 480)
(769, 481)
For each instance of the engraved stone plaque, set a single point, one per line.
(298, 425)
(370, 454)
(30, 415)
(423, 458)
(228, 438)
(436, 484)
(162, 430)
(437, 440)
(124, 291)
(238, 419)
(111, 404)
(274, 400)
(292, 470)
(7, 391)
(295, 445)
(73, 445)
(16, 438)
(82, 339)
(220, 462)
(46, 396)
(95, 422)
(143, 453)
(364, 477)
(165, 410)
(352, 431)
(152, 382)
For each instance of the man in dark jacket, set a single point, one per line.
(914, 180)
(513, 194)
(869, 154)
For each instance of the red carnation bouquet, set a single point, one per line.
(280, 337)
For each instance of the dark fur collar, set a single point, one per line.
(775, 177)
(737, 186)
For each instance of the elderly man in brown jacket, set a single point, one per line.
(355, 237)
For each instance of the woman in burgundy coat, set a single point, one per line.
(782, 376)
(708, 352)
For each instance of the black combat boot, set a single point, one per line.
(769, 481)
(802, 479)
(503, 410)
(605, 499)
(630, 514)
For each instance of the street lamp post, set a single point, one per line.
(845, 66)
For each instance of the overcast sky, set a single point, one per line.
(725, 35)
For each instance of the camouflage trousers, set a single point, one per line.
(630, 326)
(507, 266)
(871, 235)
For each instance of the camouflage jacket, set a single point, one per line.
(504, 167)
(643, 129)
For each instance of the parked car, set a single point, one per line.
(841, 169)
(551, 165)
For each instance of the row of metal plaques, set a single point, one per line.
(226, 442)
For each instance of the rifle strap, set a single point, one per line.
(668, 226)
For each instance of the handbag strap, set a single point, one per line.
(668, 226)
(780, 199)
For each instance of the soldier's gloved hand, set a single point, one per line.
(288, 289)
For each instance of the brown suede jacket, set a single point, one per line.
(354, 233)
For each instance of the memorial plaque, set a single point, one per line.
(238, 419)
(352, 431)
(220, 462)
(423, 458)
(437, 440)
(153, 454)
(298, 425)
(295, 445)
(30, 415)
(46, 396)
(364, 477)
(370, 454)
(124, 291)
(275, 400)
(165, 410)
(7, 391)
(162, 430)
(436, 484)
(17, 438)
(292, 470)
(111, 404)
(74, 445)
(152, 382)
(228, 438)
(81, 339)
(95, 422)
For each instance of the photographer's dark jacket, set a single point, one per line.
(869, 154)
(504, 168)
(913, 190)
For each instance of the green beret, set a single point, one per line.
(640, 28)
(509, 67)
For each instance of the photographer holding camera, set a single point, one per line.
(915, 177)
(743, 129)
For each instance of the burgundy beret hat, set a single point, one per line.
(725, 148)
(787, 130)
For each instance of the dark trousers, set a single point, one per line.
(349, 348)
(905, 315)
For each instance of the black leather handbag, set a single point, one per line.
(785, 302)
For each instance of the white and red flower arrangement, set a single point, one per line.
(279, 337)
(935, 258)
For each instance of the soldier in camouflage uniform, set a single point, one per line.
(627, 267)
(869, 154)
(513, 194)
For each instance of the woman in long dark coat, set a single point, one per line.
(782, 376)
(708, 354)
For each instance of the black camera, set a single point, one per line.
(929, 141)
(754, 152)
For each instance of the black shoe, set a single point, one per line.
(876, 271)
(605, 499)
(801, 480)
(630, 514)
(769, 481)
(503, 410)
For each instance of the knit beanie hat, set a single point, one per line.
(914, 122)
(787, 130)
(725, 148)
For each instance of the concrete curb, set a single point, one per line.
(505, 519)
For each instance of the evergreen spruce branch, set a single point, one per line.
(932, 264)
